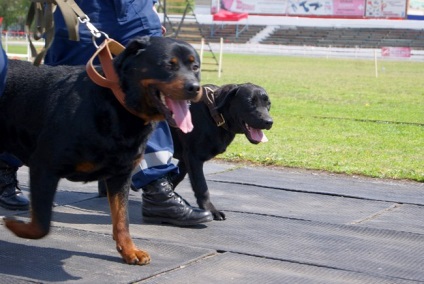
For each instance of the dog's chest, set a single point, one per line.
(106, 154)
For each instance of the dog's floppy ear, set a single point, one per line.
(137, 45)
(225, 93)
(133, 48)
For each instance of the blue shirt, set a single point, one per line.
(3, 68)
(122, 20)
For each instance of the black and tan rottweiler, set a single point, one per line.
(62, 125)
(224, 112)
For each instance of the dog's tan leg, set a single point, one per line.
(43, 187)
(31, 230)
(121, 234)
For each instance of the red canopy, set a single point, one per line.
(226, 16)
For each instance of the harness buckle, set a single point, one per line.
(222, 122)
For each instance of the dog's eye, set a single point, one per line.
(172, 65)
(195, 67)
(266, 101)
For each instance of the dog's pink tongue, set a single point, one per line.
(258, 135)
(182, 115)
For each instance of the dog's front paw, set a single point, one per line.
(218, 215)
(25, 230)
(135, 256)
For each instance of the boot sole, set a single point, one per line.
(160, 220)
(14, 207)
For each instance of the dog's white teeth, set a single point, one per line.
(162, 98)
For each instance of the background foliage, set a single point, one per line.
(14, 13)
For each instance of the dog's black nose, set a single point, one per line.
(192, 88)
(268, 123)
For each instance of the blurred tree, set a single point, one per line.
(14, 12)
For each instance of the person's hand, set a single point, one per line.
(163, 27)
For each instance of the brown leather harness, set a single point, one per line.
(209, 99)
(105, 53)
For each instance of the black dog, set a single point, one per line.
(62, 125)
(223, 112)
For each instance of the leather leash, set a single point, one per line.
(111, 80)
(42, 12)
(209, 99)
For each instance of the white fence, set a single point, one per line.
(8, 40)
(314, 51)
(255, 48)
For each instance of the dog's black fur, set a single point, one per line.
(62, 125)
(244, 107)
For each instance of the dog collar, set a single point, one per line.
(105, 51)
(209, 99)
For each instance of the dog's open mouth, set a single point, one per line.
(254, 135)
(180, 114)
(176, 112)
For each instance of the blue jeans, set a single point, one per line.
(9, 159)
(3, 68)
(157, 157)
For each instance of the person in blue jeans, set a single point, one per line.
(123, 20)
(11, 196)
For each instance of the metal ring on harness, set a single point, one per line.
(93, 30)
(94, 38)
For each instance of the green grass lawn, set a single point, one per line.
(17, 49)
(335, 115)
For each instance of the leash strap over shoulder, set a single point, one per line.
(42, 12)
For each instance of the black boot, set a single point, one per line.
(161, 204)
(11, 196)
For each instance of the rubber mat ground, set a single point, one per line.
(283, 226)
